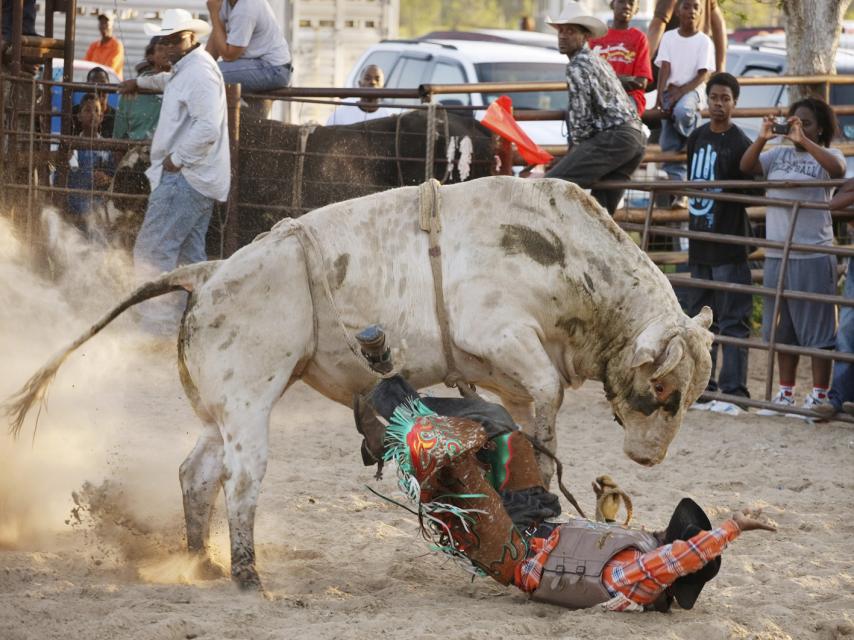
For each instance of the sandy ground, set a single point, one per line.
(338, 562)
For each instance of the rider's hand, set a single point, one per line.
(752, 519)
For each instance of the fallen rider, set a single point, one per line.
(574, 564)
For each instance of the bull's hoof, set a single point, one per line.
(246, 578)
(207, 569)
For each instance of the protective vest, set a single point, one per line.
(572, 576)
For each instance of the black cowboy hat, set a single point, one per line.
(688, 520)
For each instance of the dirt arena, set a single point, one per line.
(91, 525)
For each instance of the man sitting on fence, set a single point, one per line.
(604, 131)
(250, 42)
(372, 77)
(714, 153)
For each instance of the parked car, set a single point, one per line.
(410, 63)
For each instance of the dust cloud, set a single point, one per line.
(102, 461)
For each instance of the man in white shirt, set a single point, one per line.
(190, 162)
(251, 43)
(367, 108)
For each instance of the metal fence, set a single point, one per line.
(30, 143)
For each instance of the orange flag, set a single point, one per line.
(499, 119)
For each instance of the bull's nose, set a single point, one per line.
(645, 461)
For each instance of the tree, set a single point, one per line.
(812, 38)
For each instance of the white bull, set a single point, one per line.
(542, 289)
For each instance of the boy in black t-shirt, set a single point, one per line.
(714, 153)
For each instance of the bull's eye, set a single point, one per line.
(659, 388)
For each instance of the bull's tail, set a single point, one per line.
(186, 278)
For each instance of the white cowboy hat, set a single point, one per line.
(573, 14)
(175, 20)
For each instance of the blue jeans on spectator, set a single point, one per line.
(172, 234)
(676, 129)
(255, 74)
(842, 387)
(731, 317)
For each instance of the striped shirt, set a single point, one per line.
(633, 577)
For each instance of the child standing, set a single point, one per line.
(685, 57)
(90, 169)
(626, 49)
(714, 153)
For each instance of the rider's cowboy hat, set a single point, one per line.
(573, 14)
(175, 20)
(688, 520)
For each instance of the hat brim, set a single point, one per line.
(199, 27)
(596, 27)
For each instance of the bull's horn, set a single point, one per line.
(672, 356)
(704, 318)
(643, 355)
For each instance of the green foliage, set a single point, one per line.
(751, 13)
(418, 17)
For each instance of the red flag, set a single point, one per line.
(499, 119)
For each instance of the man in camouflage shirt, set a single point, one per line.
(605, 138)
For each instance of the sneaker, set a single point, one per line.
(821, 406)
(848, 407)
(727, 408)
(702, 405)
(780, 400)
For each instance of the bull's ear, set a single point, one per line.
(651, 342)
(672, 356)
(704, 318)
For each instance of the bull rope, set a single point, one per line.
(430, 222)
(304, 132)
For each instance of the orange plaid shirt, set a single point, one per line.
(640, 577)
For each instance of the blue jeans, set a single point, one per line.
(676, 129)
(172, 234)
(255, 74)
(731, 317)
(842, 387)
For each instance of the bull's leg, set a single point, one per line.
(518, 354)
(201, 477)
(245, 446)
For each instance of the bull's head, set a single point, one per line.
(653, 381)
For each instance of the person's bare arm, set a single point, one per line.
(217, 44)
(653, 34)
(752, 520)
(830, 162)
(676, 93)
(630, 83)
(719, 38)
(750, 160)
(844, 198)
(663, 77)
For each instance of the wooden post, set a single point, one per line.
(231, 235)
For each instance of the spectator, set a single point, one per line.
(89, 168)
(366, 109)
(713, 25)
(190, 166)
(604, 131)
(250, 42)
(97, 76)
(812, 126)
(841, 394)
(626, 50)
(684, 58)
(28, 20)
(137, 115)
(108, 50)
(714, 153)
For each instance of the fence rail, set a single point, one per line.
(27, 141)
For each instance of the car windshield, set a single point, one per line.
(525, 72)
